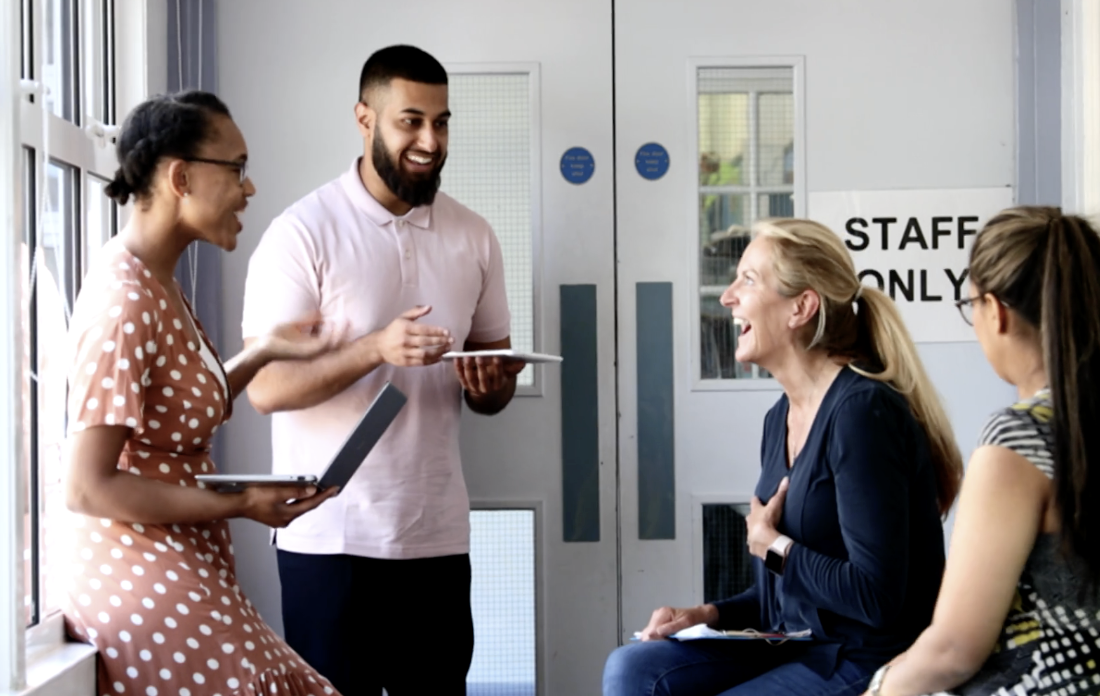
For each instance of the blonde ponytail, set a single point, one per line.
(903, 370)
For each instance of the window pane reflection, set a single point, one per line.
(58, 58)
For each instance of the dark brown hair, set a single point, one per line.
(167, 125)
(399, 63)
(1045, 267)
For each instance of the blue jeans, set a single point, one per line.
(723, 668)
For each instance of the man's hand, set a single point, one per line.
(483, 376)
(668, 620)
(407, 344)
(764, 519)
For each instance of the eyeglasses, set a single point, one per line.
(240, 166)
(966, 308)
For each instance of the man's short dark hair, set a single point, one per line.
(399, 62)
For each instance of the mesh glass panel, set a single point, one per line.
(723, 138)
(489, 170)
(776, 118)
(727, 564)
(502, 594)
(746, 173)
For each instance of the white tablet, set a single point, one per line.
(343, 466)
(504, 353)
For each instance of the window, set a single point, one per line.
(727, 565)
(492, 168)
(54, 277)
(59, 59)
(749, 169)
(26, 52)
(66, 218)
(502, 600)
(30, 548)
(100, 221)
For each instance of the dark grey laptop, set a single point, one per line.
(343, 466)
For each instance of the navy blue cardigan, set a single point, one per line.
(868, 557)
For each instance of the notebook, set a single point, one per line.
(704, 632)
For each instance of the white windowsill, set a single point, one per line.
(66, 670)
(56, 667)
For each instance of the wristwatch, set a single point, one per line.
(875, 687)
(776, 557)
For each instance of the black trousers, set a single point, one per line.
(368, 623)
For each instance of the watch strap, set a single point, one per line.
(776, 557)
(875, 687)
(782, 545)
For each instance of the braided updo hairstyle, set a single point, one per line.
(167, 125)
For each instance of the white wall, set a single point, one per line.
(284, 74)
(913, 94)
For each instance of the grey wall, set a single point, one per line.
(192, 62)
(191, 43)
(1039, 102)
(1038, 181)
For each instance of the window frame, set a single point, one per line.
(55, 140)
(36, 659)
(12, 652)
(797, 64)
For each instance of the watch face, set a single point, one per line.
(774, 562)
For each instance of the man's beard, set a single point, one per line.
(414, 190)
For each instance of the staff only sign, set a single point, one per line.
(914, 245)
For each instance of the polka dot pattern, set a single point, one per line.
(160, 602)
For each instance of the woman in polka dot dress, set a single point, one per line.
(154, 584)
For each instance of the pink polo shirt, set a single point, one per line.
(339, 252)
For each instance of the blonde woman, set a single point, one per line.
(858, 464)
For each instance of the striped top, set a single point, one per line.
(1025, 428)
(1050, 642)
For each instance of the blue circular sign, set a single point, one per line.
(651, 161)
(577, 165)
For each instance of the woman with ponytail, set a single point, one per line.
(1018, 610)
(858, 467)
(153, 584)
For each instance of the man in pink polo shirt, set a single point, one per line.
(413, 273)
